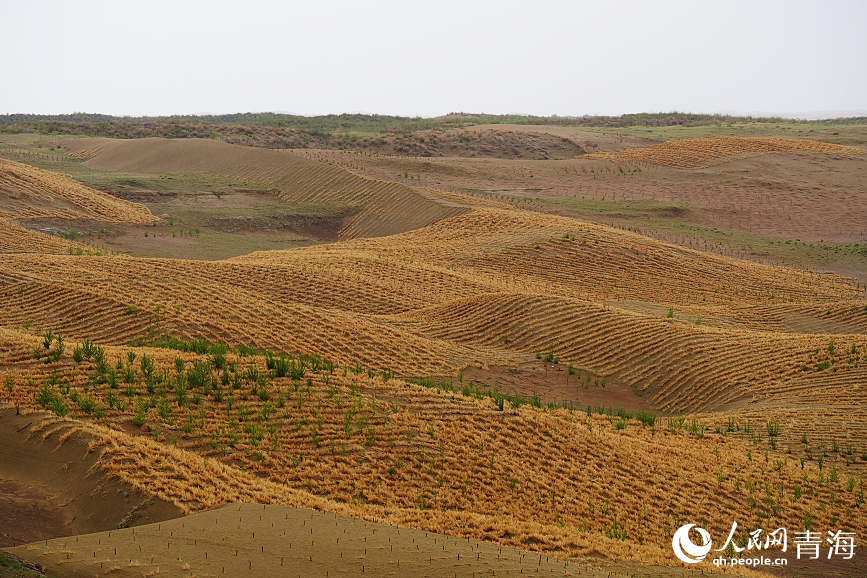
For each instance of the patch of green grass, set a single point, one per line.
(169, 182)
(853, 134)
(12, 567)
(644, 211)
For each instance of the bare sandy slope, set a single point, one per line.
(263, 540)
(381, 208)
(49, 487)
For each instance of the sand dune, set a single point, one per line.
(692, 153)
(382, 208)
(28, 192)
(427, 284)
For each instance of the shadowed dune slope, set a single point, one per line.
(49, 487)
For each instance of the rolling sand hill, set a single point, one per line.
(765, 363)
(382, 208)
(15, 239)
(771, 200)
(53, 486)
(27, 192)
(694, 153)
(31, 193)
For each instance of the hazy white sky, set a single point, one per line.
(429, 58)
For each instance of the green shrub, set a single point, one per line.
(189, 425)
(199, 375)
(139, 415)
(57, 351)
(252, 375)
(147, 366)
(129, 374)
(646, 417)
(550, 357)
(773, 428)
(279, 365)
(218, 359)
(535, 401)
(87, 404)
(58, 406)
(164, 410)
(114, 401)
(45, 395)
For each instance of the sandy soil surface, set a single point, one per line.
(48, 490)
(552, 383)
(262, 540)
(819, 568)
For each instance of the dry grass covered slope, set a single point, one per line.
(469, 283)
(28, 192)
(377, 448)
(16, 239)
(340, 300)
(693, 153)
(487, 287)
